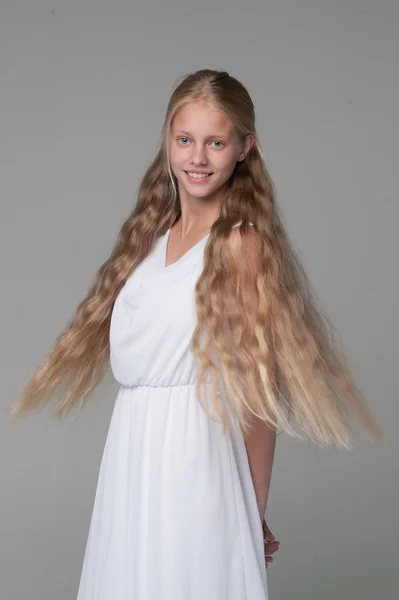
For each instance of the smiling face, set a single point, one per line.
(204, 149)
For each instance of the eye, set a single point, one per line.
(182, 139)
(218, 142)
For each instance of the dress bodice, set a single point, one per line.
(155, 309)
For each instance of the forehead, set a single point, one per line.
(200, 118)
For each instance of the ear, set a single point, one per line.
(249, 142)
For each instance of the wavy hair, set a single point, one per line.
(267, 345)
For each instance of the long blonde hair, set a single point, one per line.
(266, 342)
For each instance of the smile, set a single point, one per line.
(197, 177)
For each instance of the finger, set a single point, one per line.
(271, 547)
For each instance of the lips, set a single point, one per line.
(199, 172)
(198, 177)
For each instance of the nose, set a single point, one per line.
(198, 155)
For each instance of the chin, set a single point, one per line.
(200, 193)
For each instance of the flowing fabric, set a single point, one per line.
(175, 515)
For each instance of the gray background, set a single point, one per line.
(84, 88)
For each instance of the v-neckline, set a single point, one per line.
(184, 256)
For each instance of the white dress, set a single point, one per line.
(175, 515)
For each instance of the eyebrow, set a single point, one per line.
(216, 135)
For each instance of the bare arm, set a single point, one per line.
(260, 444)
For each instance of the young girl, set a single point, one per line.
(210, 327)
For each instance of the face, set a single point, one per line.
(204, 149)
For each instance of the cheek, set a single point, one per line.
(225, 163)
(178, 158)
(175, 164)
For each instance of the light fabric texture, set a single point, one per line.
(175, 515)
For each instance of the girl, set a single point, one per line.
(208, 322)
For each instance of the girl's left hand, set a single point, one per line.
(271, 545)
(270, 548)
